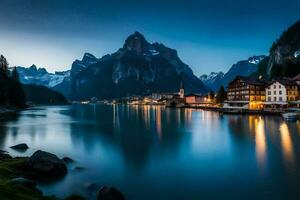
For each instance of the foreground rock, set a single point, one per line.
(44, 166)
(109, 193)
(4, 155)
(68, 160)
(23, 182)
(20, 147)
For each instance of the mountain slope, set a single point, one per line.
(77, 66)
(138, 68)
(41, 95)
(284, 59)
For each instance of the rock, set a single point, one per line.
(4, 155)
(20, 147)
(23, 181)
(78, 168)
(91, 186)
(109, 193)
(68, 160)
(2, 151)
(44, 165)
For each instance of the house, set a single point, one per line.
(280, 92)
(194, 99)
(246, 93)
(178, 100)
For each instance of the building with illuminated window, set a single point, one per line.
(246, 93)
(280, 93)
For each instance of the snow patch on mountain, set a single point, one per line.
(40, 76)
(297, 54)
(255, 59)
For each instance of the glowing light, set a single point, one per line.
(260, 141)
(286, 142)
(158, 122)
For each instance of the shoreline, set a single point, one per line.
(15, 184)
(230, 111)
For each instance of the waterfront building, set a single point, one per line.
(246, 93)
(198, 100)
(280, 92)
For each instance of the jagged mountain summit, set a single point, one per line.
(212, 80)
(241, 68)
(76, 67)
(138, 68)
(79, 65)
(40, 76)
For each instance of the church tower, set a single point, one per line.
(181, 90)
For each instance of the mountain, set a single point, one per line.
(284, 56)
(77, 66)
(40, 76)
(241, 68)
(213, 80)
(41, 95)
(138, 68)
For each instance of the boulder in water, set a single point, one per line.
(20, 147)
(109, 193)
(44, 165)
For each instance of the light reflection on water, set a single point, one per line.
(286, 142)
(152, 152)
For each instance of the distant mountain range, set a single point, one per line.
(40, 76)
(138, 68)
(242, 68)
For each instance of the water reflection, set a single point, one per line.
(260, 141)
(193, 153)
(286, 142)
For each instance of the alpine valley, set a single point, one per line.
(138, 68)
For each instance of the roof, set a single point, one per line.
(296, 78)
(192, 94)
(251, 80)
(284, 81)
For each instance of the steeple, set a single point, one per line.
(181, 90)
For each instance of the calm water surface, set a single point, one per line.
(158, 153)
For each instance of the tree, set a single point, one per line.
(3, 65)
(16, 96)
(221, 95)
(11, 91)
(15, 75)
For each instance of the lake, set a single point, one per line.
(153, 152)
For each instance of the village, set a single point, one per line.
(242, 95)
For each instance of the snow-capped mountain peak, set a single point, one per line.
(256, 59)
(40, 76)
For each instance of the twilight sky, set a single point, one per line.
(209, 35)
